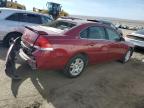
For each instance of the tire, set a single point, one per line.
(10, 37)
(73, 69)
(127, 56)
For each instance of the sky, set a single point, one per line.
(125, 9)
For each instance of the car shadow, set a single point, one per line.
(49, 83)
(45, 82)
(3, 52)
(139, 50)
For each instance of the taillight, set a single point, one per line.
(42, 43)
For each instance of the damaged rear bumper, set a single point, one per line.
(31, 61)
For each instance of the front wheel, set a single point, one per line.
(127, 56)
(75, 66)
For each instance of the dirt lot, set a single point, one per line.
(108, 85)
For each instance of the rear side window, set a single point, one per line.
(24, 17)
(13, 17)
(94, 32)
(32, 18)
(84, 34)
(97, 33)
(17, 17)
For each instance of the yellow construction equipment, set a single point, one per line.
(11, 4)
(53, 9)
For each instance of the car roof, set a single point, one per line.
(101, 21)
(9, 11)
(78, 21)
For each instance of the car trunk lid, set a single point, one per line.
(37, 37)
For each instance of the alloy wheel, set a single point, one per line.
(76, 66)
(127, 56)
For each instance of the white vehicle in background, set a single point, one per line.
(137, 38)
(12, 22)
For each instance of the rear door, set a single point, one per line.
(116, 46)
(97, 44)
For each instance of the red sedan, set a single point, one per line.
(70, 45)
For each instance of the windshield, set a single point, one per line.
(63, 25)
(2, 3)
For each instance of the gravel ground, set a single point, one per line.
(108, 85)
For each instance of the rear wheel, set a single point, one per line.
(75, 66)
(10, 38)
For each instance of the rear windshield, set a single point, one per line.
(140, 32)
(63, 25)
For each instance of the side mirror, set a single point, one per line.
(122, 39)
(116, 28)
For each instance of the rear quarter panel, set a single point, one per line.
(8, 27)
(65, 48)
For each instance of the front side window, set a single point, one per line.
(21, 17)
(45, 19)
(112, 34)
(32, 18)
(97, 33)
(113, 26)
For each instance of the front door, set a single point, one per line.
(116, 46)
(97, 44)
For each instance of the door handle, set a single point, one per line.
(104, 48)
(91, 44)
